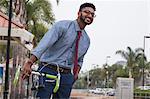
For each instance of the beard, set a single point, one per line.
(86, 20)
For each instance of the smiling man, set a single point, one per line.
(61, 51)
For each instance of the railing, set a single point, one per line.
(141, 95)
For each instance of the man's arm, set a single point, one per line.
(27, 66)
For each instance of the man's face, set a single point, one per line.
(87, 15)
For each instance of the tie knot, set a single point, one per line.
(79, 33)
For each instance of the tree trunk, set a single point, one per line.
(130, 73)
(20, 11)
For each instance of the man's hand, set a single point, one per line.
(26, 70)
(75, 76)
(76, 72)
(27, 67)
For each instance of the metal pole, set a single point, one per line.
(88, 80)
(6, 87)
(106, 79)
(143, 62)
(143, 70)
(28, 81)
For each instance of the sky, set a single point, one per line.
(118, 24)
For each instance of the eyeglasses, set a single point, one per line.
(88, 13)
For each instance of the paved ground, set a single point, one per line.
(75, 94)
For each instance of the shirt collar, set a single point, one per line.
(77, 28)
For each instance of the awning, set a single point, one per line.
(22, 36)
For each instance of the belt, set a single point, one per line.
(54, 67)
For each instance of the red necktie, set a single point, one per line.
(76, 53)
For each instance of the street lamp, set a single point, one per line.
(106, 68)
(143, 59)
(107, 57)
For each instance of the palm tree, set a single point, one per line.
(31, 13)
(143, 66)
(117, 70)
(131, 57)
(4, 6)
(35, 20)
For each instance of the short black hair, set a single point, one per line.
(87, 5)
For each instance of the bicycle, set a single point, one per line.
(35, 81)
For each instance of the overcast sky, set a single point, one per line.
(118, 24)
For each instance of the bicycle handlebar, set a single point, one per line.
(55, 77)
(44, 74)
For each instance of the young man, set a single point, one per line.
(59, 52)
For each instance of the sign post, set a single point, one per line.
(124, 88)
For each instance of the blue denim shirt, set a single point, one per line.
(58, 44)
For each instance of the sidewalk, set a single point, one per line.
(86, 95)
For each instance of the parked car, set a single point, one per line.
(111, 92)
(99, 91)
(91, 90)
(144, 87)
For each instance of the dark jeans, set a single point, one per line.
(66, 82)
